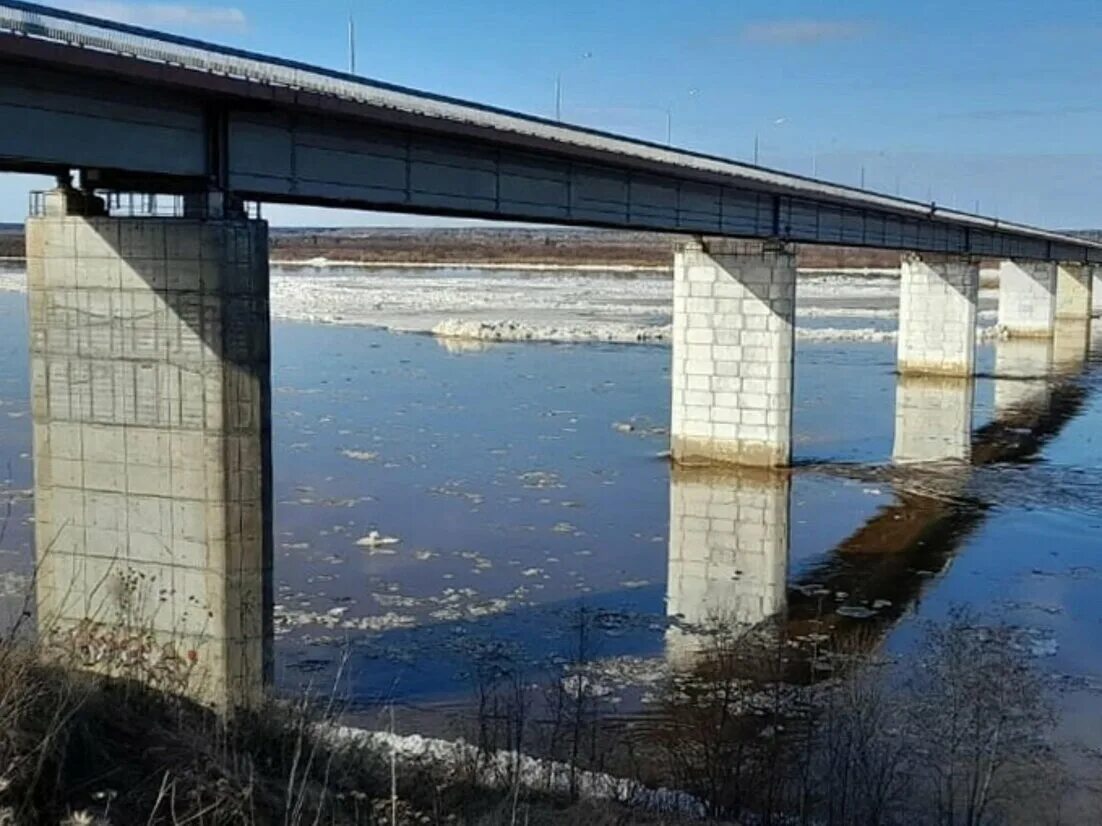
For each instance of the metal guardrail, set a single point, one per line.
(142, 205)
(73, 29)
(78, 30)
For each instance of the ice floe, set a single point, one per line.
(374, 539)
(468, 308)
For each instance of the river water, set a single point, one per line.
(526, 484)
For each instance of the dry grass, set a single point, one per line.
(84, 748)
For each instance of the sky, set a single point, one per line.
(982, 103)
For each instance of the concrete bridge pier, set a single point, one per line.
(728, 554)
(1027, 298)
(1073, 291)
(733, 347)
(150, 377)
(937, 315)
(1096, 290)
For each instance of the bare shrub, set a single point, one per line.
(980, 723)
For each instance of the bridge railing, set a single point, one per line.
(77, 30)
(143, 205)
(73, 29)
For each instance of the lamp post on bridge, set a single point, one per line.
(351, 45)
(558, 86)
(669, 116)
(781, 121)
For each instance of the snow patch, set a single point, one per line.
(498, 769)
(515, 330)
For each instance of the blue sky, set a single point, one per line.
(992, 102)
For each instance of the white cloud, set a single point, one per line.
(161, 15)
(803, 31)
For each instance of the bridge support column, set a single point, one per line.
(937, 314)
(1073, 291)
(733, 346)
(1027, 298)
(1096, 289)
(933, 419)
(728, 557)
(151, 401)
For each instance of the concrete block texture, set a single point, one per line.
(728, 555)
(152, 403)
(937, 315)
(733, 346)
(1027, 297)
(1096, 290)
(1073, 290)
(933, 419)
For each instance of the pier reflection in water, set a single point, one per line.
(1023, 368)
(1070, 346)
(933, 419)
(729, 532)
(728, 557)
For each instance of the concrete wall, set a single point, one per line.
(937, 315)
(933, 419)
(728, 555)
(1027, 297)
(1096, 289)
(151, 401)
(1073, 291)
(733, 340)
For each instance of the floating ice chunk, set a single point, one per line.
(1044, 647)
(376, 540)
(855, 612)
(360, 455)
(515, 330)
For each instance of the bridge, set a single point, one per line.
(150, 334)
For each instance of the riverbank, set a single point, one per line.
(489, 247)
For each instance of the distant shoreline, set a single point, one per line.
(503, 248)
(531, 266)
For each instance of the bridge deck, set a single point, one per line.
(154, 111)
